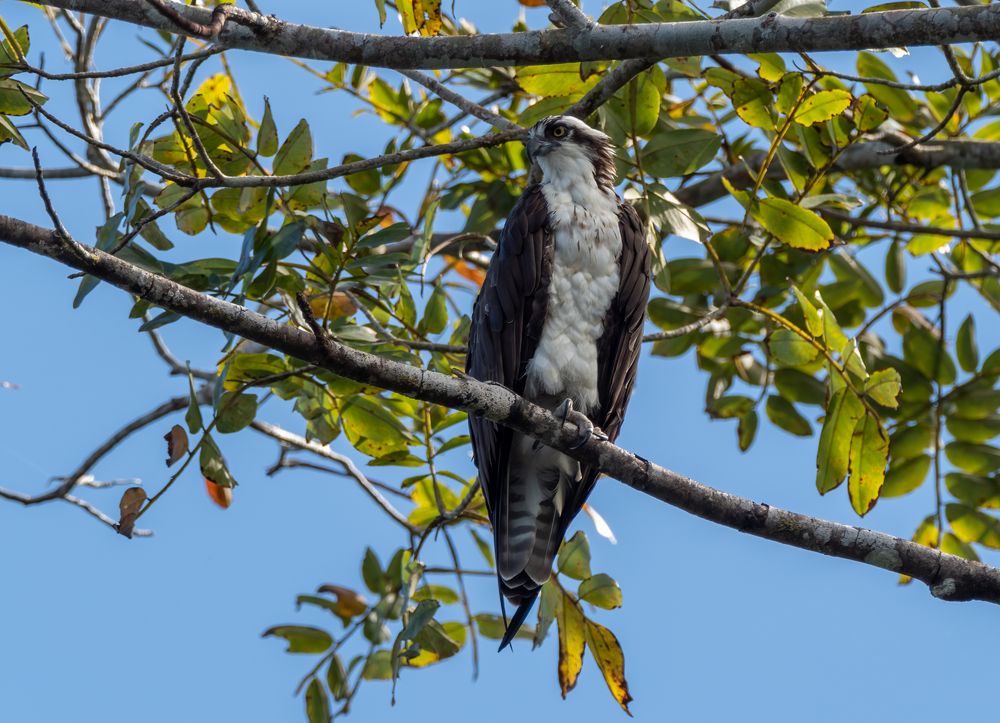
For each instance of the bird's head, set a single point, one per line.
(564, 146)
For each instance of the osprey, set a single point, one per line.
(559, 321)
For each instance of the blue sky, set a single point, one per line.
(716, 625)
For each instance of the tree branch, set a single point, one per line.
(949, 577)
(350, 469)
(772, 33)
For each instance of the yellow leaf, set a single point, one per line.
(572, 636)
(610, 659)
(869, 455)
(327, 307)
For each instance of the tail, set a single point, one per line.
(517, 621)
(528, 524)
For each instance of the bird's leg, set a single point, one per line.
(585, 428)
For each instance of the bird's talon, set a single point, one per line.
(585, 428)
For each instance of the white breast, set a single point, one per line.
(584, 281)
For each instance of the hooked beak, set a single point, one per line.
(538, 147)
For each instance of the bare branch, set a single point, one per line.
(772, 33)
(71, 480)
(321, 450)
(949, 577)
(460, 101)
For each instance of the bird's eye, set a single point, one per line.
(559, 131)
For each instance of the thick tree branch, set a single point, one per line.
(966, 154)
(771, 33)
(949, 577)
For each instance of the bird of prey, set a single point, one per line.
(559, 321)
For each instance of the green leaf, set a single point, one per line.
(679, 152)
(574, 557)
(746, 431)
(213, 464)
(868, 115)
(317, 703)
(296, 152)
(974, 430)
(336, 678)
(822, 106)
(784, 414)
(792, 225)
(899, 103)
(560, 80)
(610, 659)
(884, 386)
(647, 102)
(301, 638)
(378, 666)
(965, 345)
(971, 525)
(974, 458)
(895, 267)
(832, 333)
(193, 415)
(869, 456)
(752, 102)
(235, 412)
(814, 320)
(443, 594)
(833, 454)
(926, 354)
(371, 572)
(910, 441)
(548, 608)
(11, 53)
(17, 98)
(371, 428)
(797, 386)
(267, 136)
(492, 627)
(436, 313)
(771, 66)
(601, 590)
(730, 406)
(790, 349)
(974, 490)
(788, 92)
(905, 476)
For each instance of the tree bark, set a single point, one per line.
(771, 33)
(948, 577)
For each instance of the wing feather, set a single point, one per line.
(506, 326)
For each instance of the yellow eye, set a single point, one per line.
(559, 131)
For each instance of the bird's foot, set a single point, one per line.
(585, 428)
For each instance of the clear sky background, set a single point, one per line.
(716, 625)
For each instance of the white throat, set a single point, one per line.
(585, 276)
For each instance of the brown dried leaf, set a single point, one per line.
(177, 443)
(349, 602)
(222, 496)
(131, 502)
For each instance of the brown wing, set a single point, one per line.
(618, 349)
(506, 326)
